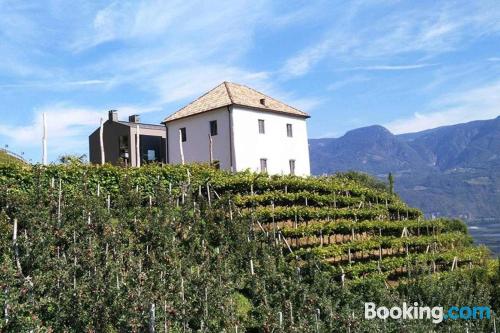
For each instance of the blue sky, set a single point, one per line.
(407, 65)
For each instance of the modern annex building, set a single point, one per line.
(233, 126)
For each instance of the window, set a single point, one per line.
(213, 127)
(123, 147)
(183, 134)
(262, 129)
(150, 148)
(263, 165)
(292, 167)
(123, 144)
(289, 132)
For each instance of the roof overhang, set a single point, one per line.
(264, 110)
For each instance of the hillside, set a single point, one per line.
(7, 157)
(184, 249)
(446, 171)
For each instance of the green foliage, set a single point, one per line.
(495, 282)
(455, 225)
(98, 246)
(6, 158)
(365, 179)
(243, 306)
(73, 159)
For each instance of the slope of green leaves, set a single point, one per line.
(178, 248)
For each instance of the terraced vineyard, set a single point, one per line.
(193, 249)
(358, 231)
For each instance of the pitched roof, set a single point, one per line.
(228, 93)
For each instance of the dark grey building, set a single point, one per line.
(120, 139)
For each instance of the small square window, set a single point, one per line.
(183, 134)
(289, 131)
(262, 128)
(213, 127)
(292, 167)
(263, 165)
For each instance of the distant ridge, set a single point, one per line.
(450, 170)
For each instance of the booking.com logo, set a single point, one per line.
(436, 313)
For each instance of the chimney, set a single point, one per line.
(263, 101)
(133, 118)
(113, 115)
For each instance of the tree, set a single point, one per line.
(69, 159)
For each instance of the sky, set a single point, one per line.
(406, 65)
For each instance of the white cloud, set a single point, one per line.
(165, 53)
(55, 85)
(474, 104)
(401, 30)
(175, 50)
(122, 20)
(68, 127)
(192, 81)
(305, 60)
(307, 104)
(346, 82)
(390, 67)
(171, 23)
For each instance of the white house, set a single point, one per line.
(239, 128)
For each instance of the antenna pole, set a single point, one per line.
(44, 140)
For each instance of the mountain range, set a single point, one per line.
(446, 171)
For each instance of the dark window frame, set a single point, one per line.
(262, 126)
(289, 130)
(292, 166)
(263, 165)
(183, 134)
(124, 147)
(213, 127)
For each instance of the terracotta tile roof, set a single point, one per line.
(228, 93)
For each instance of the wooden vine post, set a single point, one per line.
(152, 318)
(59, 199)
(101, 142)
(208, 195)
(16, 249)
(317, 315)
(181, 150)
(210, 149)
(137, 146)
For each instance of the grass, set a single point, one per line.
(6, 158)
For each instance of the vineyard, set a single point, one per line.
(193, 249)
(10, 157)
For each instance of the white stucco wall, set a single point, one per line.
(250, 146)
(196, 147)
